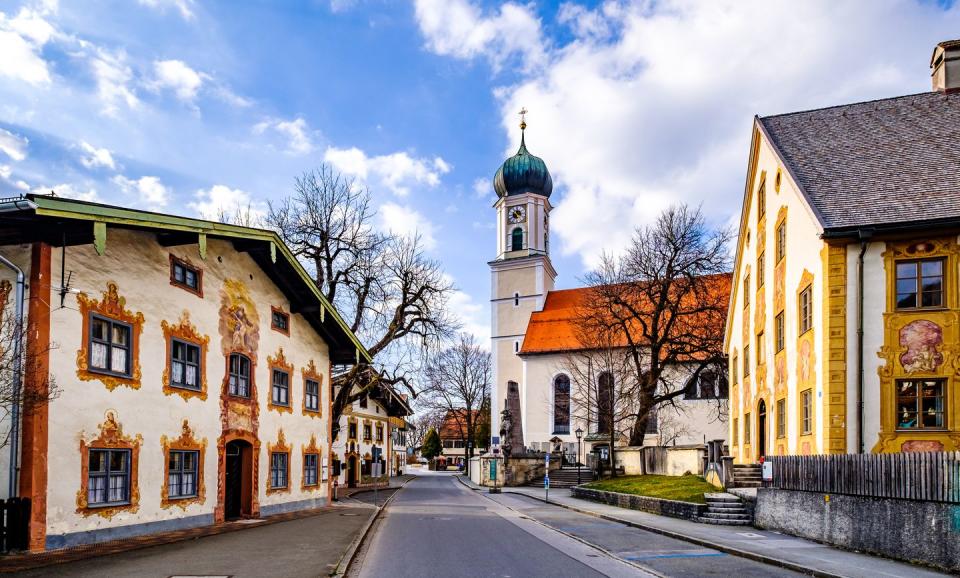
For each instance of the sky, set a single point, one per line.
(192, 106)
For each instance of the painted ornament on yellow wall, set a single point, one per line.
(922, 340)
(805, 361)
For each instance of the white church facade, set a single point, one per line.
(533, 345)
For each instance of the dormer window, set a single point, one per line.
(516, 239)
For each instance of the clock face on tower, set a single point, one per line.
(517, 214)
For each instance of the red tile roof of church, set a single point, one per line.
(553, 329)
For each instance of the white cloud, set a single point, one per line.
(221, 199)
(461, 29)
(150, 192)
(403, 220)
(185, 7)
(13, 145)
(68, 191)
(295, 132)
(175, 75)
(113, 76)
(341, 5)
(22, 39)
(397, 172)
(95, 157)
(482, 188)
(474, 316)
(5, 171)
(652, 103)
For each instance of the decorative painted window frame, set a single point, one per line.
(892, 367)
(279, 362)
(111, 438)
(280, 447)
(186, 331)
(366, 423)
(378, 433)
(186, 442)
(310, 372)
(274, 309)
(185, 262)
(111, 306)
(356, 422)
(308, 449)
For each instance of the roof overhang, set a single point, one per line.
(66, 222)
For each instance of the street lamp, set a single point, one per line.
(579, 433)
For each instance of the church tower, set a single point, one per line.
(522, 273)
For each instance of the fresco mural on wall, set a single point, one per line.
(922, 340)
(239, 322)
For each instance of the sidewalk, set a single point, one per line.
(770, 547)
(235, 548)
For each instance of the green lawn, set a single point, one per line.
(688, 488)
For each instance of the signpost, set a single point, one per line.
(546, 478)
(495, 444)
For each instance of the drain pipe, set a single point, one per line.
(17, 378)
(864, 241)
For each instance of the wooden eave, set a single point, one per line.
(60, 221)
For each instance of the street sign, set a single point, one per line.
(375, 469)
(376, 453)
(546, 482)
(493, 470)
(495, 440)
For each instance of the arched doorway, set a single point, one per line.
(761, 429)
(238, 480)
(353, 471)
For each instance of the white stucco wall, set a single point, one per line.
(140, 268)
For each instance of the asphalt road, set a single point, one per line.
(437, 527)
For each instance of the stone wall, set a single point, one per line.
(924, 532)
(672, 508)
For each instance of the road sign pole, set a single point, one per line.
(546, 478)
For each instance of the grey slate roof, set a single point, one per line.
(873, 163)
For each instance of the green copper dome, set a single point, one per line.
(523, 173)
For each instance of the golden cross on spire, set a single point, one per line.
(523, 118)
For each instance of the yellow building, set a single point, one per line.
(844, 326)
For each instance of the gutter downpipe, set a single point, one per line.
(17, 379)
(864, 236)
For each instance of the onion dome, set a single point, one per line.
(523, 173)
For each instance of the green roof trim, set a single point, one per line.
(103, 215)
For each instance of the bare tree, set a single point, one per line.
(424, 420)
(394, 298)
(458, 384)
(24, 383)
(660, 309)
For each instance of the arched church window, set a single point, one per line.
(605, 402)
(561, 404)
(516, 239)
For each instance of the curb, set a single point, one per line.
(691, 539)
(346, 561)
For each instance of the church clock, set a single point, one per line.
(518, 214)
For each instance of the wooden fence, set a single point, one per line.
(14, 524)
(929, 476)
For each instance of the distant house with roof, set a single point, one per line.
(843, 333)
(453, 437)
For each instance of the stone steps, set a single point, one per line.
(726, 510)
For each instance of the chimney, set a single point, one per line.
(945, 66)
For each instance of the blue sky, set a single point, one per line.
(186, 106)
